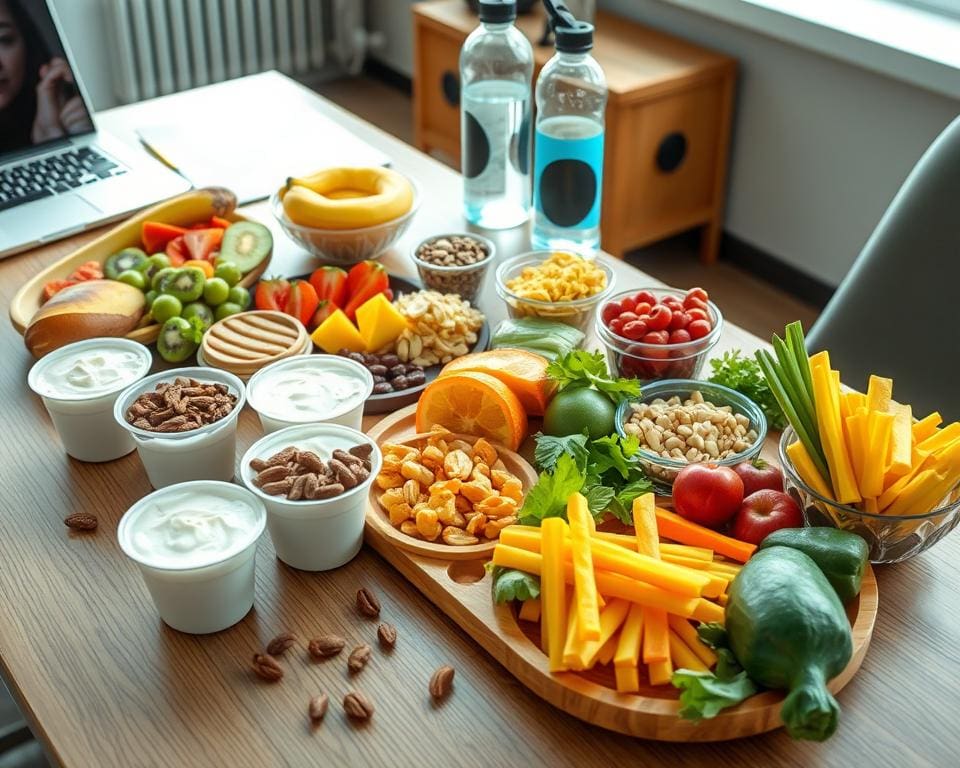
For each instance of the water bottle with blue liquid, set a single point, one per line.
(571, 97)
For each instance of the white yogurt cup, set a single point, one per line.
(207, 453)
(314, 535)
(310, 389)
(79, 384)
(195, 544)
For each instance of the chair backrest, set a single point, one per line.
(895, 313)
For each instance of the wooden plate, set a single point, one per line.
(246, 342)
(218, 202)
(461, 589)
(400, 428)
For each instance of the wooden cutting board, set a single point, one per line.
(461, 589)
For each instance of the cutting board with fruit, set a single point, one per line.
(462, 588)
(101, 289)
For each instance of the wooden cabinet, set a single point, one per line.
(667, 121)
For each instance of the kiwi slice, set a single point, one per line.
(185, 283)
(246, 244)
(172, 345)
(121, 261)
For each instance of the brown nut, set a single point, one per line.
(357, 706)
(311, 462)
(387, 633)
(81, 521)
(318, 707)
(325, 646)
(266, 667)
(345, 476)
(281, 644)
(358, 658)
(442, 682)
(367, 603)
(362, 451)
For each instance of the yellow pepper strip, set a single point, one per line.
(805, 468)
(686, 562)
(530, 610)
(572, 644)
(845, 488)
(921, 494)
(942, 439)
(610, 620)
(630, 542)
(605, 655)
(722, 567)
(660, 672)
(879, 392)
(901, 440)
(686, 632)
(723, 599)
(645, 525)
(707, 611)
(656, 642)
(588, 610)
(855, 433)
(627, 679)
(552, 587)
(880, 429)
(626, 660)
(682, 656)
(870, 505)
(855, 401)
(926, 427)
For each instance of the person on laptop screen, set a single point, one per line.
(39, 100)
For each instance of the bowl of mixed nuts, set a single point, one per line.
(684, 421)
(454, 263)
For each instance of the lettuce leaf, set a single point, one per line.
(548, 498)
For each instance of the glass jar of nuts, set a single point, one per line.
(454, 263)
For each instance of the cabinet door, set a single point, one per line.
(438, 92)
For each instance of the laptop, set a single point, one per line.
(58, 174)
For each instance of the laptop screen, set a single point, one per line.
(39, 98)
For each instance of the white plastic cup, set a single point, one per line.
(209, 598)
(85, 422)
(207, 453)
(321, 534)
(273, 415)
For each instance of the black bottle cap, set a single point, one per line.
(574, 39)
(498, 11)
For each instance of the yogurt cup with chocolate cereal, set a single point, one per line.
(195, 545)
(310, 389)
(315, 501)
(79, 384)
(184, 423)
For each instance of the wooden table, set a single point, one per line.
(104, 683)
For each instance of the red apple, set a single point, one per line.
(758, 474)
(707, 494)
(764, 512)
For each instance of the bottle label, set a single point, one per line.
(569, 179)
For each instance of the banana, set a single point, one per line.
(347, 198)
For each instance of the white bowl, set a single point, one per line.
(207, 591)
(314, 535)
(271, 389)
(84, 420)
(207, 453)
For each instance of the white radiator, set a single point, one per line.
(171, 45)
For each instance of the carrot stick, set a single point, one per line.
(553, 588)
(645, 525)
(530, 610)
(672, 526)
(656, 644)
(588, 611)
(660, 672)
(682, 656)
(572, 645)
(691, 639)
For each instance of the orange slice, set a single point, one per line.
(473, 404)
(525, 373)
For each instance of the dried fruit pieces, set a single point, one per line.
(304, 476)
(181, 406)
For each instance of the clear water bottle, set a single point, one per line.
(496, 69)
(571, 97)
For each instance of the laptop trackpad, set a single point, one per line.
(46, 219)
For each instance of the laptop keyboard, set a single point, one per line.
(54, 174)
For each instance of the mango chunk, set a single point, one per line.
(336, 333)
(379, 322)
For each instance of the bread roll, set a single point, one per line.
(84, 311)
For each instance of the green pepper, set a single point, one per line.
(841, 555)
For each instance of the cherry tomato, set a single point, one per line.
(698, 329)
(635, 330)
(679, 320)
(616, 325)
(692, 302)
(673, 302)
(660, 317)
(679, 336)
(627, 304)
(656, 337)
(699, 314)
(643, 308)
(628, 317)
(610, 310)
(645, 296)
(698, 293)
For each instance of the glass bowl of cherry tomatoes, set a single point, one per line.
(658, 333)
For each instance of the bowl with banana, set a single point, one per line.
(346, 215)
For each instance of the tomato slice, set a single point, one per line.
(272, 294)
(177, 251)
(203, 243)
(156, 235)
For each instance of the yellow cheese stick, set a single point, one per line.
(805, 468)
(572, 644)
(921, 461)
(921, 494)
(901, 439)
(686, 632)
(626, 660)
(942, 439)
(855, 432)
(627, 679)
(880, 427)
(845, 488)
(588, 610)
(645, 525)
(682, 656)
(926, 427)
(553, 590)
(530, 610)
(870, 505)
(610, 621)
(879, 392)
(660, 672)
(605, 654)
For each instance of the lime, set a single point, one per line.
(215, 291)
(239, 295)
(226, 309)
(132, 277)
(164, 307)
(574, 410)
(227, 270)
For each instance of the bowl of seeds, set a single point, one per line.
(454, 263)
